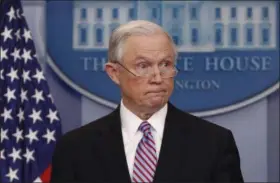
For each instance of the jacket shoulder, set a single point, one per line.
(82, 134)
(198, 124)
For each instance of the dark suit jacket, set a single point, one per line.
(193, 150)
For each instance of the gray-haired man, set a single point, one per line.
(146, 139)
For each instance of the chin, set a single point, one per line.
(156, 102)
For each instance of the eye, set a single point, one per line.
(166, 64)
(142, 65)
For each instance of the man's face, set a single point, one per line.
(142, 51)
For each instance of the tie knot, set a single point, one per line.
(145, 127)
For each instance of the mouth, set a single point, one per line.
(156, 92)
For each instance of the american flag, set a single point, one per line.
(29, 121)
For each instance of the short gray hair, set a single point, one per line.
(136, 27)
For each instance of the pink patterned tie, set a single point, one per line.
(145, 158)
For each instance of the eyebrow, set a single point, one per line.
(148, 59)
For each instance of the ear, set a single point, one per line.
(112, 72)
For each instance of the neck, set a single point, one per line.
(143, 113)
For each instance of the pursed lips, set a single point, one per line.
(157, 91)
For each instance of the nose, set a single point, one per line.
(156, 76)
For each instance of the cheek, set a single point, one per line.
(171, 85)
(133, 87)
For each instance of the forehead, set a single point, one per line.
(153, 46)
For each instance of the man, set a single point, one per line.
(146, 139)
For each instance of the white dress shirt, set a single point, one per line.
(131, 135)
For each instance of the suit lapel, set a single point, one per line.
(173, 154)
(173, 147)
(114, 154)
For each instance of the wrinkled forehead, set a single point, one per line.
(153, 54)
(151, 48)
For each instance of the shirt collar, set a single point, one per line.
(131, 122)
